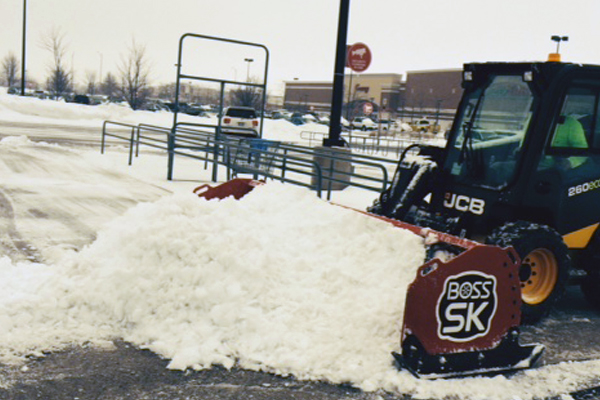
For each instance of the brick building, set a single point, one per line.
(424, 93)
(380, 89)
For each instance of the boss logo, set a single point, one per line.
(467, 306)
(464, 203)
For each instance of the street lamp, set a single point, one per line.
(248, 60)
(558, 39)
(23, 50)
(100, 72)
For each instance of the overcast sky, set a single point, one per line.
(403, 35)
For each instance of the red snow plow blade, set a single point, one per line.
(461, 316)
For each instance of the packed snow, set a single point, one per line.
(278, 281)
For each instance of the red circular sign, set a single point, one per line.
(359, 57)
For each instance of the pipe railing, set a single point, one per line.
(289, 162)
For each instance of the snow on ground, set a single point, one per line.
(279, 281)
(34, 110)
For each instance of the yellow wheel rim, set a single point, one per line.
(538, 275)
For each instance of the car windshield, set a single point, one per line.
(491, 129)
(241, 113)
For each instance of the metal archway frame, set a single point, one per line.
(222, 82)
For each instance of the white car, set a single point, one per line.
(363, 123)
(240, 121)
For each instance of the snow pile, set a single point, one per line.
(279, 281)
(33, 110)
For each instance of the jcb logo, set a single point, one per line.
(464, 203)
(467, 306)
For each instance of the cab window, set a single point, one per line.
(573, 129)
(575, 139)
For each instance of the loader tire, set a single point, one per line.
(545, 265)
(590, 287)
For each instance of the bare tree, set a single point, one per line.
(110, 86)
(135, 76)
(248, 96)
(90, 82)
(59, 81)
(10, 68)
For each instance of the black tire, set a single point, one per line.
(590, 287)
(545, 265)
(590, 263)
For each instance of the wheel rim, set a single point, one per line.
(538, 275)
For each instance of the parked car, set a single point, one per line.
(240, 121)
(424, 125)
(297, 118)
(194, 109)
(324, 119)
(363, 123)
(389, 125)
(345, 123)
(311, 118)
(281, 114)
(156, 105)
(81, 99)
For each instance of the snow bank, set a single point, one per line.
(33, 110)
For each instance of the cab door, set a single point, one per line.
(567, 180)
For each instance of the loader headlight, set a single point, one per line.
(468, 76)
(528, 76)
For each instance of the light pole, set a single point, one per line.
(23, 50)
(559, 39)
(100, 73)
(337, 100)
(248, 60)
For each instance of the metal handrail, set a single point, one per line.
(293, 160)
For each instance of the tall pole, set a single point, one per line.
(248, 60)
(337, 100)
(23, 49)
(100, 73)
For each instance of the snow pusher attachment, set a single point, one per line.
(462, 315)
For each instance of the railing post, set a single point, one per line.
(319, 180)
(218, 136)
(171, 152)
(330, 182)
(103, 137)
(284, 163)
(131, 139)
(137, 142)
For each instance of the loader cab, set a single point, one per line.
(525, 144)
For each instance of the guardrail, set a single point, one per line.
(384, 145)
(286, 162)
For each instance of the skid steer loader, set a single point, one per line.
(521, 169)
(508, 209)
